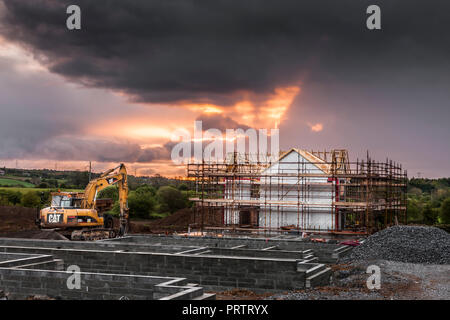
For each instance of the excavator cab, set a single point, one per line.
(66, 200)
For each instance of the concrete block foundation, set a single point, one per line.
(163, 267)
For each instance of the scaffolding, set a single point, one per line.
(299, 191)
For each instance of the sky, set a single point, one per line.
(117, 89)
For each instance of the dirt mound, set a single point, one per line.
(414, 244)
(179, 221)
(182, 217)
(19, 222)
(15, 218)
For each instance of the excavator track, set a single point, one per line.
(93, 234)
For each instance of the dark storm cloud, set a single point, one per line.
(207, 51)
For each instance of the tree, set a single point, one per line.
(415, 191)
(31, 200)
(80, 179)
(414, 211)
(43, 185)
(45, 198)
(53, 183)
(4, 197)
(429, 215)
(146, 189)
(170, 199)
(445, 212)
(111, 192)
(141, 204)
(141, 201)
(115, 210)
(14, 197)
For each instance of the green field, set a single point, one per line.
(25, 189)
(15, 183)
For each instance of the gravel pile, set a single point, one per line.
(413, 244)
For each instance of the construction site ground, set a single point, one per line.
(399, 280)
(19, 222)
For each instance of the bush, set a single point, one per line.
(146, 189)
(115, 210)
(13, 197)
(444, 214)
(415, 191)
(141, 204)
(31, 200)
(111, 192)
(414, 211)
(79, 179)
(141, 201)
(429, 215)
(170, 199)
(45, 198)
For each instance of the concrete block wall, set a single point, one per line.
(6, 257)
(20, 284)
(97, 245)
(214, 263)
(54, 264)
(326, 252)
(13, 260)
(238, 252)
(214, 272)
(33, 274)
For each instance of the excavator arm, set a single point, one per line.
(116, 175)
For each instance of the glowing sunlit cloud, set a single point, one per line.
(148, 129)
(276, 107)
(153, 145)
(14, 52)
(267, 113)
(246, 112)
(205, 108)
(149, 132)
(316, 127)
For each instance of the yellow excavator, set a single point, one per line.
(81, 214)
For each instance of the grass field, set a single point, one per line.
(15, 183)
(25, 189)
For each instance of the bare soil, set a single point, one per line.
(19, 222)
(15, 219)
(176, 222)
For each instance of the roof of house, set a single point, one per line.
(318, 162)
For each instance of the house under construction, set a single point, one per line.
(300, 190)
